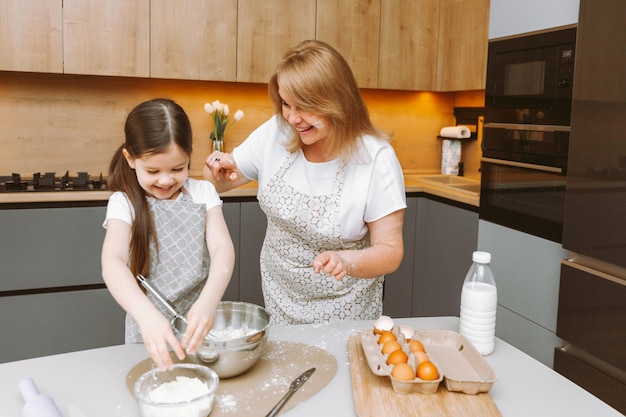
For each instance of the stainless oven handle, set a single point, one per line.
(538, 128)
(523, 165)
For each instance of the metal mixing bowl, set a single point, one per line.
(237, 339)
(186, 397)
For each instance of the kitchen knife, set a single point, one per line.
(293, 387)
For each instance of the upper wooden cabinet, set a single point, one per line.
(409, 39)
(107, 37)
(463, 39)
(193, 39)
(31, 36)
(433, 45)
(265, 30)
(427, 45)
(352, 27)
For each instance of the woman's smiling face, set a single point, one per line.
(311, 127)
(161, 175)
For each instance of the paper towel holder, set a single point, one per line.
(468, 116)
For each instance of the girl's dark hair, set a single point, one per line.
(151, 127)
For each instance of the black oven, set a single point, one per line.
(523, 196)
(528, 102)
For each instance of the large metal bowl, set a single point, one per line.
(237, 339)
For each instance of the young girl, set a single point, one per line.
(167, 227)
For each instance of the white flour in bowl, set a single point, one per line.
(180, 391)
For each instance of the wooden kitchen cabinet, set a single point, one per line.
(409, 36)
(193, 39)
(265, 30)
(462, 51)
(433, 45)
(31, 36)
(352, 27)
(107, 37)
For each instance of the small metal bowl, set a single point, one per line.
(237, 339)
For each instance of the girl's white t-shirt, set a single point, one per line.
(201, 192)
(373, 186)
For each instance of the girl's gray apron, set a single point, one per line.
(299, 228)
(181, 267)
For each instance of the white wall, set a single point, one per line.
(511, 17)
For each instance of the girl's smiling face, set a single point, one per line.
(312, 128)
(161, 175)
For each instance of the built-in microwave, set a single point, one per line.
(530, 77)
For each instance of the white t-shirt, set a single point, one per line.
(372, 189)
(119, 207)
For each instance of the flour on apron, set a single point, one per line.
(181, 267)
(300, 227)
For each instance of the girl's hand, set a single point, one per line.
(331, 263)
(199, 322)
(157, 334)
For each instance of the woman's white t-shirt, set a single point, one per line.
(201, 192)
(373, 186)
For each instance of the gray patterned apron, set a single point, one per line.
(299, 228)
(181, 267)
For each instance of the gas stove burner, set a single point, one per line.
(50, 182)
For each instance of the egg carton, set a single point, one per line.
(461, 367)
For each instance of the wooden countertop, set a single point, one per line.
(248, 190)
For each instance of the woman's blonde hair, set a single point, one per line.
(319, 80)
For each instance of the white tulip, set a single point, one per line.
(225, 110)
(238, 115)
(208, 108)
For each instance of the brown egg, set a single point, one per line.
(390, 346)
(385, 337)
(421, 356)
(396, 357)
(427, 371)
(403, 372)
(415, 346)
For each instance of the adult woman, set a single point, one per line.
(331, 187)
(166, 226)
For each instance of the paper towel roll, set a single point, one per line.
(455, 132)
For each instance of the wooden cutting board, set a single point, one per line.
(374, 396)
(255, 392)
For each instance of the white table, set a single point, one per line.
(94, 380)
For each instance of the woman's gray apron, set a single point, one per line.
(299, 228)
(180, 268)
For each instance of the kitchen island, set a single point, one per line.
(94, 381)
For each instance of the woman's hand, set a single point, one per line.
(157, 334)
(381, 258)
(221, 169)
(331, 263)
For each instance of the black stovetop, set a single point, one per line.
(50, 181)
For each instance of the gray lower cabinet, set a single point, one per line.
(398, 289)
(446, 235)
(52, 296)
(439, 238)
(246, 223)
